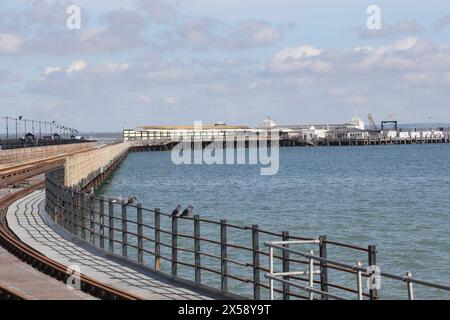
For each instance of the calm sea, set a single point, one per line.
(396, 197)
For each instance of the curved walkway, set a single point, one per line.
(25, 221)
(32, 284)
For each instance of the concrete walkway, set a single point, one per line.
(32, 284)
(25, 221)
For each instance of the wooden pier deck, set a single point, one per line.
(168, 144)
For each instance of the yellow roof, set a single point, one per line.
(204, 127)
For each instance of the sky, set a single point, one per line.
(142, 62)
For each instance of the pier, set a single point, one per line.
(54, 221)
(162, 138)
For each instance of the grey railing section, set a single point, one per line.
(159, 242)
(360, 272)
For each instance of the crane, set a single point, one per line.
(372, 122)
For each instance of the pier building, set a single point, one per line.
(177, 132)
(353, 132)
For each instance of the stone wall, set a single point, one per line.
(80, 169)
(16, 156)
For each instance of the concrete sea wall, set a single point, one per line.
(81, 169)
(15, 156)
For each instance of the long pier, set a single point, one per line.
(166, 257)
(247, 141)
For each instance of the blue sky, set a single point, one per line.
(177, 61)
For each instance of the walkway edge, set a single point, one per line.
(200, 288)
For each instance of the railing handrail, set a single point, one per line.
(361, 271)
(90, 216)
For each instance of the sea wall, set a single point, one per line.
(16, 156)
(81, 169)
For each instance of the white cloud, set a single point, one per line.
(76, 66)
(73, 67)
(302, 58)
(51, 69)
(10, 43)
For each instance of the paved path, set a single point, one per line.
(24, 219)
(32, 284)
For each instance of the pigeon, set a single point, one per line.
(187, 212)
(176, 211)
(131, 200)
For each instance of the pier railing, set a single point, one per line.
(360, 272)
(228, 256)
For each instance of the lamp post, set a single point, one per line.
(17, 134)
(7, 128)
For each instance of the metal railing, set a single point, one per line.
(231, 256)
(361, 272)
(15, 128)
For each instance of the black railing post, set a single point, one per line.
(102, 222)
(75, 211)
(70, 209)
(157, 239)
(140, 232)
(111, 225)
(198, 270)
(124, 230)
(174, 245)
(323, 266)
(83, 218)
(285, 237)
(223, 255)
(372, 250)
(92, 221)
(64, 211)
(256, 271)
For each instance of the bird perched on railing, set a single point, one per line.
(131, 200)
(176, 211)
(187, 212)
